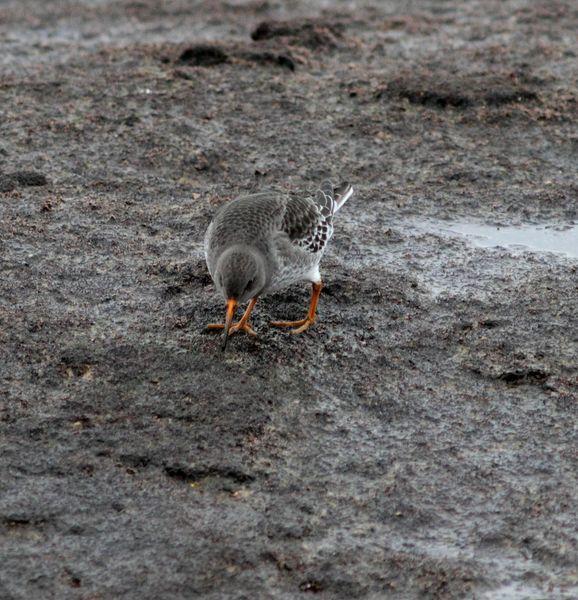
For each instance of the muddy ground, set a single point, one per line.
(420, 440)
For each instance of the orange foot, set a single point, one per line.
(300, 326)
(305, 323)
(246, 327)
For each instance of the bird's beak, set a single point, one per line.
(231, 308)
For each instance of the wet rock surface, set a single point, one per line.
(420, 440)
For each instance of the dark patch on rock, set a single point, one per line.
(524, 376)
(450, 91)
(193, 474)
(9, 181)
(203, 56)
(511, 96)
(22, 521)
(490, 323)
(30, 178)
(437, 99)
(309, 33)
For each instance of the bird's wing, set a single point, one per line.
(308, 222)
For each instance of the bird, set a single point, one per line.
(266, 241)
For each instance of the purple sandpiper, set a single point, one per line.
(266, 241)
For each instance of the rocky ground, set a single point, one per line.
(420, 440)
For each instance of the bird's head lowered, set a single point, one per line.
(240, 275)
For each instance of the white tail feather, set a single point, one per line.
(342, 193)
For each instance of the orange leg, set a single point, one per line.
(305, 323)
(242, 325)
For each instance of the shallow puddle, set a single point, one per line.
(541, 238)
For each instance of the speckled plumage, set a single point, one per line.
(290, 232)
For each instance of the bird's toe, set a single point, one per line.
(299, 323)
(303, 327)
(246, 327)
(299, 326)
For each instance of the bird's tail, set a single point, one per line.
(332, 198)
(341, 194)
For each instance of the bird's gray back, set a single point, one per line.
(249, 220)
(290, 232)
